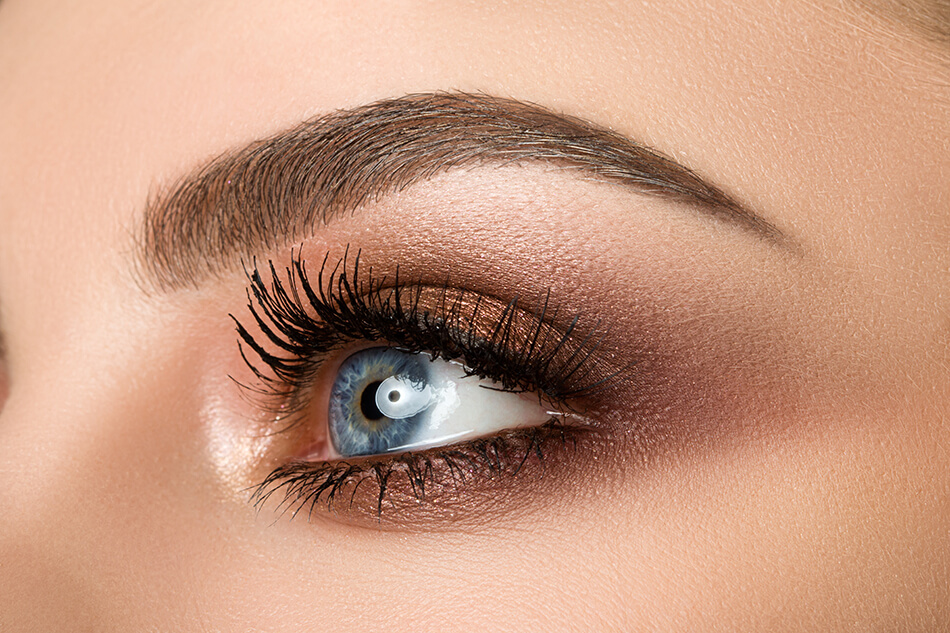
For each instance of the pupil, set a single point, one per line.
(394, 396)
(368, 402)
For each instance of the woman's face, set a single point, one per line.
(732, 413)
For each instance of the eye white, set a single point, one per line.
(458, 406)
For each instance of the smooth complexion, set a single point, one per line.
(779, 460)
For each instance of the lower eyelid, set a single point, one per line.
(443, 488)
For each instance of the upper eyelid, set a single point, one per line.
(273, 192)
(562, 361)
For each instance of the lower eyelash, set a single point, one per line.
(433, 480)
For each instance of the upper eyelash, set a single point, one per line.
(303, 323)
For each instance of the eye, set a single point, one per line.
(385, 400)
(452, 398)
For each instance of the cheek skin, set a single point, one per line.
(122, 465)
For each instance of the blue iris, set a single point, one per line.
(358, 425)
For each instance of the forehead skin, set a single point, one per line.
(831, 128)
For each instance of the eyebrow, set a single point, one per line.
(275, 191)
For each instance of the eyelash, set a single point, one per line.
(427, 475)
(521, 351)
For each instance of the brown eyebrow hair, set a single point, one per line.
(274, 191)
(928, 19)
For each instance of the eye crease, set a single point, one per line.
(455, 387)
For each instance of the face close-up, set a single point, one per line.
(476, 316)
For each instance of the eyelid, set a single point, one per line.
(520, 349)
(441, 488)
(309, 324)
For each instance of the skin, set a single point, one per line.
(797, 474)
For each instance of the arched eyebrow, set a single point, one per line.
(275, 191)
